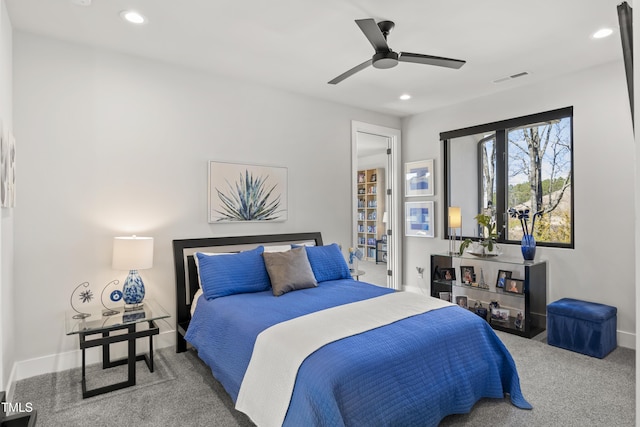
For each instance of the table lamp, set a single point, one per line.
(455, 222)
(132, 253)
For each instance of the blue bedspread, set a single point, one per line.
(413, 372)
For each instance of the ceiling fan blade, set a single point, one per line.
(431, 60)
(351, 72)
(373, 34)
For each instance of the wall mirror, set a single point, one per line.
(470, 161)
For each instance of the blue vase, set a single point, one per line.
(133, 289)
(528, 246)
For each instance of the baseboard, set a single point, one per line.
(626, 339)
(9, 389)
(73, 359)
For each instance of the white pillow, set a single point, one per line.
(195, 300)
(277, 248)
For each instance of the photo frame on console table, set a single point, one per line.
(515, 286)
(233, 185)
(419, 178)
(419, 219)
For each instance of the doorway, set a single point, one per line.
(375, 195)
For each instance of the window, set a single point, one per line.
(521, 163)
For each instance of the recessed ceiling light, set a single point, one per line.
(133, 17)
(602, 33)
(405, 96)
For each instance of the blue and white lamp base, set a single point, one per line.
(133, 291)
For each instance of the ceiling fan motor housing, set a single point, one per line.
(385, 60)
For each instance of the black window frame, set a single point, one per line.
(500, 128)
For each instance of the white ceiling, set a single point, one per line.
(299, 45)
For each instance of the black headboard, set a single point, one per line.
(186, 274)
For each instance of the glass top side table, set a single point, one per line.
(103, 325)
(150, 310)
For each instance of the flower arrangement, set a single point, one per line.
(528, 245)
(523, 216)
(488, 240)
(354, 253)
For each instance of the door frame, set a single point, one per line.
(394, 177)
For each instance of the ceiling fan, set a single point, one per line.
(385, 57)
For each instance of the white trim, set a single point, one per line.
(394, 175)
(73, 359)
(626, 339)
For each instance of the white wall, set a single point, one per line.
(112, 145)
(602, 266)
(6, 214)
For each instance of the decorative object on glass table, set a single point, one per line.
(528, 243)
(519, 322)
(355, 254)
(515, 286)
(503, 275)
(466, 274)
(85, 295)
(461, 300)
(487, 245)
(448, 274)
(114, 296)
(480, 310)
(499, 315)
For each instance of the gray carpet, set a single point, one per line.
(565, 389)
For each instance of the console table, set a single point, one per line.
(524, 310)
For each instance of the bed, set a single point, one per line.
(335, 351)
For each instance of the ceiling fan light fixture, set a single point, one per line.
(384, 60)
(405, 97)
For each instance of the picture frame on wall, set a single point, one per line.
(419, 220)
(419, 178)
(246, 193)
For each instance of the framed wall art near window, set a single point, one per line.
(419, 178)
(419, 219)
(242, 192)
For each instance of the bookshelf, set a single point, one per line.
(371, 197)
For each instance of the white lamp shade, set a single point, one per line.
(455, 217)
(132, 253)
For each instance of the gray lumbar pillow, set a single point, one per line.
(289, 271)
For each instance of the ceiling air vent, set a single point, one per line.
(513, 76)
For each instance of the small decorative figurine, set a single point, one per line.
(85, 296)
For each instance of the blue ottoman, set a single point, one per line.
(585, 327)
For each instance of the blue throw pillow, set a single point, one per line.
(327, 262)
(229, 274)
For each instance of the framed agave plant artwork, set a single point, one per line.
(241, 192)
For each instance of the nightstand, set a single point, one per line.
(98, 324)
(356, 273)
